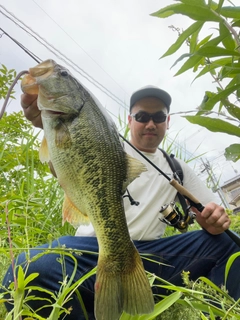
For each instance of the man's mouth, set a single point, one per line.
(149, 134)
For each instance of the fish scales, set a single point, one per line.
(83, 146)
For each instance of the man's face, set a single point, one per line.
(147, 136)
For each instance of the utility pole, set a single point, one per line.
(214, 180)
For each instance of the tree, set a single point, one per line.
(217, 54)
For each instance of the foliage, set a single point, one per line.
(28, 219)
(30, 197)
(30, 206)
(24, 181)
(235, 222)
(218, 55)
(6, 79)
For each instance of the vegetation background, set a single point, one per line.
(31, 200)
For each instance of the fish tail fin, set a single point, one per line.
(137, 292)
(127, 291)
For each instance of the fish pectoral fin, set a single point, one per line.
(72, 214)
(62, 136)
(128, 290)
(134, 168)
(43, 151)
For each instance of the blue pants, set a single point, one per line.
(198, 252)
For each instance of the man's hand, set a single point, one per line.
(32, 113)
(30, 109)
(213, 218)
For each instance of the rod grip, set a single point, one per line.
(183, 191)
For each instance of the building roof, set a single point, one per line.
(231, 181)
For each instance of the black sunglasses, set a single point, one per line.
(145, 117)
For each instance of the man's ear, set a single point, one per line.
(129, 121)
(168, 121)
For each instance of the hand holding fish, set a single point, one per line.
(30, 109)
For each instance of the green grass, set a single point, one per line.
(30, 206)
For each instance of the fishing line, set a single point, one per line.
(184, 192)
(10, 90)
(148, 160)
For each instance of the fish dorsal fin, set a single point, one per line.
(134, 168)
(72, 214)
(43, 151)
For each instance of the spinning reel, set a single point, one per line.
(173, 216)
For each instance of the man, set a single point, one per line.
(202, 253)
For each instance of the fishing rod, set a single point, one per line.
(170, 212)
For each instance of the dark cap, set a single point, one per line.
(150, 91)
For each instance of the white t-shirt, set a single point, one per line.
(152, 191)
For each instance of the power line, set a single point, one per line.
(215, 183)
(80, 47)
(73, 65)
(65, 59)
(31, 54)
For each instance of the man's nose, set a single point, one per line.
(150, 124)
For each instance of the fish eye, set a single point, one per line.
(64, 73)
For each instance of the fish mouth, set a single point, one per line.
(30, 81)
(43, 69)
(54, 113)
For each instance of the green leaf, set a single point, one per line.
(220, 6)
(31, 277)
(214, 125)
(232, 153)
(198, 3)
(161, 306)
(214, 65)
(20, 278)
(196, 26)
(193, 40)
(236, 23)
(213, 5)
(234, 81)
(204, 41)
(221, 96)
(227, 41)
(190, 63)
(232, 109)
(202, 107)
(183, 56)
(212, 43)
(212, 51)
(234, 256)
(230, 71)
(194, 12)
(230, 12)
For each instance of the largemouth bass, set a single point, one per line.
(82, 143)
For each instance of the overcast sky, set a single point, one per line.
(117, 46)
